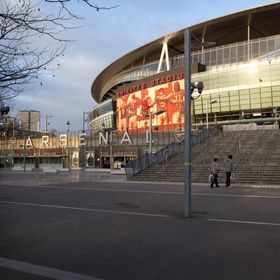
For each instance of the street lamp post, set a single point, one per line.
(150, 136)
(151, 131)
(189, 87)
(111, 150)
(84, 146)
(47, 122)
(207, 104)
(276, 119)
(84, 120)
(187, 126)
(68, 148)
(24, 158)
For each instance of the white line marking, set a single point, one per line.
(244, 222)
(156, 192)
(85, 209)
(110, 190)
(43, 270)
(238, 195)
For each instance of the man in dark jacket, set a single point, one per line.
(215, 171)
(228, 170)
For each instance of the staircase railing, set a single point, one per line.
(135, 166)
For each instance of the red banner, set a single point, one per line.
(164, 102)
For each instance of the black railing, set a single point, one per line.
(135, 166)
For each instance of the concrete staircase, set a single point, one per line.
(256, 156)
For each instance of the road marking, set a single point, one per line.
(86, 209)
(238, 195)
(116, 190)
(156, 192)
(43, 270)
(244, 222)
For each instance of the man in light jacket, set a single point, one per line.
(228, 169)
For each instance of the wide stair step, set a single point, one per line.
(256, 155)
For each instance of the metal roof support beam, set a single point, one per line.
(164, 53)
(248, 36)
(202, 44)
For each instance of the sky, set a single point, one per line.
(104, 37)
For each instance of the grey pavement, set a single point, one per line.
(7, 176)
(41, 178)
(102, 227)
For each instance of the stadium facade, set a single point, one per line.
(240, 58)
(236, 56)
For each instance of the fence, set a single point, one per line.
(135, 166)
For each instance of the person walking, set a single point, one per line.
(229, 170)
(214, 169)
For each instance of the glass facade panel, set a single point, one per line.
(213, 57)
(198, 105)
(255, 98)
(255, 49)
(240, 53)
(270, 45)
(242, 73)
(215, 107)
(195, 58)
(226, 55)
(207, 58)
(243, 82)
(263, 47)
(246, 50)
(224, 102)
(244, 99)
(277, 43)
(223, 79)
(101, 109)
(266, 102)
(266, 93)
(276, 95)
(275, 73)
(233, 54)
(219, 56)
(234, 100)
(102, 116)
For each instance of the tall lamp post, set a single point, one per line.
(207, 105)
(84, 146)
(47, 122)
(24, 158)
(276, 115)
(68, 148)
(189, 87)
(151, 131)
(84, 121)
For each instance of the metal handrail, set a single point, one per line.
(135, 166)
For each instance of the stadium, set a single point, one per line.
(238, 62)
(140, 97)
(236, 56)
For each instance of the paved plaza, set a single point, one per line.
(80, 225)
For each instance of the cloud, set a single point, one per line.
(105, 37)
(67, 94)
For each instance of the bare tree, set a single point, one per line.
(64, 4)
(31, 41)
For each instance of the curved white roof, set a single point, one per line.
(264, 22)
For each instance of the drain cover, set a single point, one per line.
(127, 205)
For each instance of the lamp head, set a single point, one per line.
(200, 87)
(192, 87)
(159, 112)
